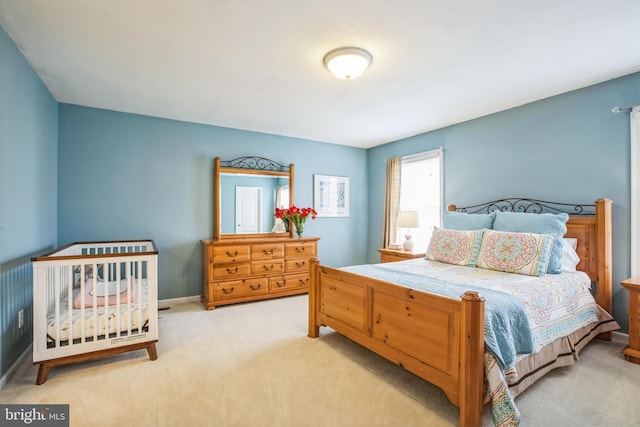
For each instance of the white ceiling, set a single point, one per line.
(257, 65)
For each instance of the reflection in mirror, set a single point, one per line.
(249, 201)
(246, 192)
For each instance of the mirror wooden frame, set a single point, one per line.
(248, 165)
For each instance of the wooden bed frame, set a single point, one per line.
(437, 338)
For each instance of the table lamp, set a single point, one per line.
(408, 220)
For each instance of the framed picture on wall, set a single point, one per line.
(331, 195)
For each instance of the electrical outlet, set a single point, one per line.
(20, 319)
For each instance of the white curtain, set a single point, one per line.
(635, 191)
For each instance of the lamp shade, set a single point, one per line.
(408, 219)
(347, 62)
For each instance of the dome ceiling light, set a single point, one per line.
(347, 62)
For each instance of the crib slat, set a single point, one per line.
(69, 294)
(94, 272)
(139, 298)
(83, 275)
(117, 317)
(129, 295)
(56, 288)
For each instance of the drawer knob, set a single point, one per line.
(304, 281)
(300, 250)
(232, 271)
(227, 290)
(232, 254)
(255, 288)
(301, 264)
(268, 251)
(280, 284)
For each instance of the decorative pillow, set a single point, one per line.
(111, 297)
(522, 253)
(465, 221)
(570, 259)
(459, 247)
(542, 223)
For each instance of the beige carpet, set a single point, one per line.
(252, 365)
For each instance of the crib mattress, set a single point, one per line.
(99, 322)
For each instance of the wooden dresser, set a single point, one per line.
(248, 269)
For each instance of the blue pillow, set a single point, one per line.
(465, 221)
(543, 223)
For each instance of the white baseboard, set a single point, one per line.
(16, 365)
(166, 302)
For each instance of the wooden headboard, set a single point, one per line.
(590, 224)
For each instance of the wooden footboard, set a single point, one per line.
(439, 339)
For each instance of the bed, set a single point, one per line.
(440, 334)
(94, 299)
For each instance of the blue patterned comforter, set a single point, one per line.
(522, 313)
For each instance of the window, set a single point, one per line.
(282, 196)
(421, 191)
(413, 183)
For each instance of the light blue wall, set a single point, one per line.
(126, 176)
(28, 189)
(567, 148)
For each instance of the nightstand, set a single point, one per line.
(391, 255)
(632, 351)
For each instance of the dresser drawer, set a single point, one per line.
(300, 249)
(226, 254)
(266, 251)
(277, 283)
(297, 265)
(297, 280)
(240, 288)
(231, 271)
(288, 282)
(267, 266)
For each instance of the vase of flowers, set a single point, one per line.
(295, 216)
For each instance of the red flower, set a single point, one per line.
(296, 216)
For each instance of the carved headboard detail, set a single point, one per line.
(527, 206)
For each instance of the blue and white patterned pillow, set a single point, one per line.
(521, 253)
(542, 223)
(459, 247)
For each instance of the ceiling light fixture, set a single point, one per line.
(347, 62)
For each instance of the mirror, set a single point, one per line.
(246, 192)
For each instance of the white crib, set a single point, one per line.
(94, 299)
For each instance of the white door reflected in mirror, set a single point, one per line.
(248, 208)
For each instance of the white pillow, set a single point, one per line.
(569, 259)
